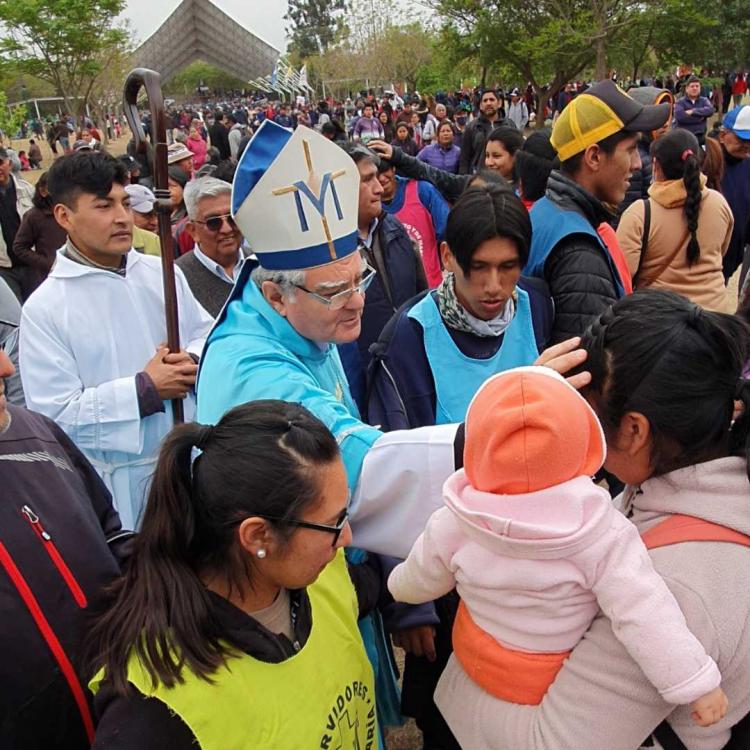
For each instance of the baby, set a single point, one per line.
(535, 549)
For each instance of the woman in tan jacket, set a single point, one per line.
(688, 227)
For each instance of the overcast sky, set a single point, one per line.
(265, 18)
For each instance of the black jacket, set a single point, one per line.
(450, 185)
(640, 182)
(61, 538)
(404, 273)
(579, 276)
(219, 136)
(473, 141)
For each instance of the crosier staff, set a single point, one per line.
(151, 81)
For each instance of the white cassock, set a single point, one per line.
(85, 334)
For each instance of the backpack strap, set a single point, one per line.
(678, 529)
(675, 530)
(644, 238)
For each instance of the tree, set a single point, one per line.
(545, 41)
(729, 46)
(666, 33)
(63, 42)
(200, 73)
(11, 119)
(313, 25)
(541, 41)
(106, 94)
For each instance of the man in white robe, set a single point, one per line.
(92, 349)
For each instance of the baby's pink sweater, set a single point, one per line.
(534, 570)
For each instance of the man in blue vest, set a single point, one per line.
(596, 139)
(482, 319)
(429, 362)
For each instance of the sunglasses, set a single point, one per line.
(336, 530)
(215, 223)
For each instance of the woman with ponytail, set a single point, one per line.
(666, 375)
(676, 238)
(235, 625)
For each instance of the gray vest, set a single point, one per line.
(207, 287)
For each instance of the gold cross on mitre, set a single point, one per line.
(316, 190)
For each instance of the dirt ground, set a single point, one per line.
(115, 147)
(407, 737)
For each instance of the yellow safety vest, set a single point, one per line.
(323, 697)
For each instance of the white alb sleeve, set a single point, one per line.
(400, 486)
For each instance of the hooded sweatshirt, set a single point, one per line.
(600, 698)
(533, 570)
(665, 265)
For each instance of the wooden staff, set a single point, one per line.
(151, 81)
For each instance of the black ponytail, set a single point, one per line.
(656, 353)
(679, 154)
(259, 460)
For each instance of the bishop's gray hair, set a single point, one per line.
(287, 280)
(203, 187)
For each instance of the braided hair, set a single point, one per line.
(679, 155)
(658, 354)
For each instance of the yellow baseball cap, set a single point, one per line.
(599, 112)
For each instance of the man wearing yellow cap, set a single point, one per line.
(573, 247)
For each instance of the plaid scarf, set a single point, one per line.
(458, 318)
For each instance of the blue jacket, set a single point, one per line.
(735, 186)
(696, 122)
(568, 253)
(401, 387)
(254, 353)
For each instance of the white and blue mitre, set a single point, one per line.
(295, 198)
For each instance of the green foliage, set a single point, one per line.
(18, 85)
(199, 72)
(61, 41)
(313, 25)
(666, 34)
(729, 45)
(542, 42)
(10, 119)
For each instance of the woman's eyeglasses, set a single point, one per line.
(335, 530)
(215, 223)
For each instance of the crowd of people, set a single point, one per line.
(450, 383)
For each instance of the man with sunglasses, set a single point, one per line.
(216, 260)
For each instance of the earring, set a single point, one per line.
(261, 553)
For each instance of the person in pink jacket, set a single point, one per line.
(535, 549)
(198, 146)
